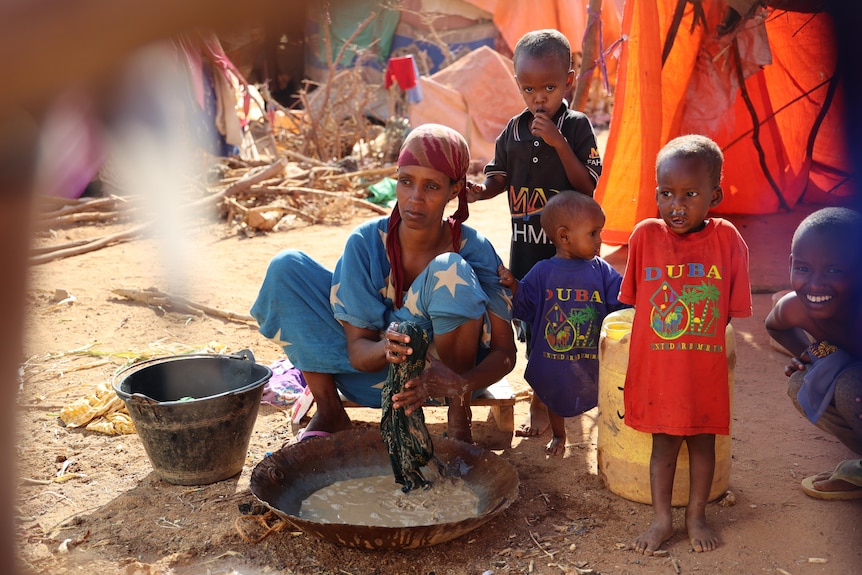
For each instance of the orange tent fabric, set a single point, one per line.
(654, 104)
(514, 19)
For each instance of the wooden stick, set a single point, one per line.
(47, 249)
(364, 203)
(77, 218)
(90, 246)
(155, 296)
(253, 177)
(111, 202)
(588, 58)
(362, 173)
(303, 158)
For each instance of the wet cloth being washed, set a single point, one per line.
(406, 436)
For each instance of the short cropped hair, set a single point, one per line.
(565, 206)
(694, 146)
(542, 43)
(843, 224)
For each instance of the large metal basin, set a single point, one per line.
(287, 477)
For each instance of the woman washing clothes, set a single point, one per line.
(340, 327)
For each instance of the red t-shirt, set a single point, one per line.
(685, 289)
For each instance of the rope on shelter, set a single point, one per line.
(699, 16)
(601, 61)
(755, 132)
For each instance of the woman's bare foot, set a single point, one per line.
(556, 447)
(458, 424)
(701, 535)
(649, 541)
(338, 421)
(537, 421)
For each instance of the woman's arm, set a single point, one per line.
(368, 351)
(440, 380)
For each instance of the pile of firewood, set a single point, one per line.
(253, 196)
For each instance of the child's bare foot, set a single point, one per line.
(649, 541)
(537, 421)
(701, 535)
(824, 482)
(556, 447)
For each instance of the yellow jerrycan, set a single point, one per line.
(624, 453)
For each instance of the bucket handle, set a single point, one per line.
(244, 354)
(141, 399)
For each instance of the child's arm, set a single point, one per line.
(491, 187)
(507, 279)
(783, 323)
(576, 171)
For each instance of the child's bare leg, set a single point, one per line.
(537, 421)
(557, 445)
(701, 457)
(662, 467)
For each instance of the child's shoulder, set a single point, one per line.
(725, 228)
(517, 117)
(575, 115)
(649, 225)
(722, 223)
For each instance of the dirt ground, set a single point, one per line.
(114, 515)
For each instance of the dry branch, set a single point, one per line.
(303, 158)
(253, 177)
(260, 217)
(91, 246)
(299, 190)
(110, 203)
(77, 218)
(156, 297)
(381, 171)
(48, 249)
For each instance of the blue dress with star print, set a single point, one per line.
(301, 303)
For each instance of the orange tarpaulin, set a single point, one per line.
(514, 19)
(698, 90)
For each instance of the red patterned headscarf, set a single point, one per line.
(445, 150)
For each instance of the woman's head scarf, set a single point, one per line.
(445, 150)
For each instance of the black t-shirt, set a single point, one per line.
(534, 172)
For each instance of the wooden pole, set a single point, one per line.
(588, 51)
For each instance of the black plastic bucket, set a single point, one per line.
(194, 413)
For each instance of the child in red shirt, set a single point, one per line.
(686, 275)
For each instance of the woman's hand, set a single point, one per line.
(436, 380)
(395, 347)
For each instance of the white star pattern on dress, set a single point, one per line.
(278, 341)
(333, 295)
(449, 278)
(506, 294)
(412, 302)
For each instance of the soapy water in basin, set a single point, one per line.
(379, 501)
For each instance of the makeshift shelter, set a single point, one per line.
(461, 49)
(774, 107)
